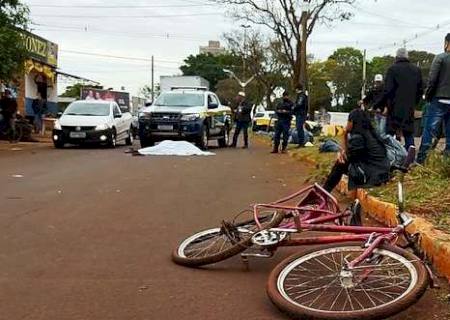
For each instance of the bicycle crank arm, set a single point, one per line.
(256, 255)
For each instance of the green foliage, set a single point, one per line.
(73, 91)
(320, 78)
(13, 17)
(209, 66)
(347, 77)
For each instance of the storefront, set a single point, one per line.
(40, 76)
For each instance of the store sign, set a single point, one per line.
(41, 50)
(121, 98)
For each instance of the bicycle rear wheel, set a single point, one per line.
(217, 244)
(314, 284)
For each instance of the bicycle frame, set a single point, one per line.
(319, 207)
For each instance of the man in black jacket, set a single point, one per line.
(438, 95)
(243, 119)
(403, 92)
(300, 112)
(284, 115)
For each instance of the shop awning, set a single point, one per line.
(78, 78)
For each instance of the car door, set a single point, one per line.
(118, 121)
(217, 119)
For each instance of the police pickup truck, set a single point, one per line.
(186, 113)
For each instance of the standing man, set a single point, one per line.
(39, 108)
(373, 97)
(243, 119)
(438, 95)
(300, 112)
(403, 92)
(284, 114)
(8, 106)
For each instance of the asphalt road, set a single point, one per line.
(87, 234)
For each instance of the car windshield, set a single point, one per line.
(88, 109)
(180, 100)
(259, 115)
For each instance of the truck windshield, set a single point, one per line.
(180, 100)
(88, 109)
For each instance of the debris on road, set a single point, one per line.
(174, 148)
(18, 176)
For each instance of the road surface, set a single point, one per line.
(87, 234)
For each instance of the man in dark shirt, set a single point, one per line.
(243, 119)
(373, 97)
(8, 106)
(300, 111)
(438, 96)
(402, 93)
(284, 114)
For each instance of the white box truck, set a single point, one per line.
(168, 82)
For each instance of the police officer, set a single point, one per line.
(284, 114)
(300, 112)
(243, 119)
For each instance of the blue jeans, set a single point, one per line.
(380, 122)
(300, 124)
(282, 128)
(436, 114)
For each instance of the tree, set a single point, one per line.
(320, 80)
(263, 61)
(284, 18)
(73, 91)
(13, 17)
(423, 60)
(209, 66)
(347, 77)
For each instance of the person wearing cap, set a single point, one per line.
(438, 96)
(284, 115)
(300, 111)
(402, 93)
(243, 119)
(373, 97)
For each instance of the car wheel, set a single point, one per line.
(225, 140)
(130, 138)
(113, 140)
(146, 142)
(58, 144)
(203, 138)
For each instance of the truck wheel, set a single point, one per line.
(146, 142)
(203, 138)
(130, 138)
(225, 140)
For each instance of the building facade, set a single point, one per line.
(213, 48)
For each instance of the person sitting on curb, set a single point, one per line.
(363, 157)
(284, 114)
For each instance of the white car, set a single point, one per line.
(186, 113)
(93, 122)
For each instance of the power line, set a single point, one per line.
(127, 16)
(120, 6)
(117, 57)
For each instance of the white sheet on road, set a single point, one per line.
(174, 148)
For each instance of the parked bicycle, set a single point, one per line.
(360, 273)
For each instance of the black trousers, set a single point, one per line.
(241, 126)
(339, 169)
(282, 128)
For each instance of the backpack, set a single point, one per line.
(396, 153)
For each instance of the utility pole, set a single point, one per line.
(303, 50)
(153, 79)
(364, 86)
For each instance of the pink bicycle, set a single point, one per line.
(359, 273)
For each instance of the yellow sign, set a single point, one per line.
(41, 50)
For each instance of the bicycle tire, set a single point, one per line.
(15, 135)
(297, 311)
(233, 250)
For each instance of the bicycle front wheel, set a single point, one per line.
(217, 244)
(315, 285)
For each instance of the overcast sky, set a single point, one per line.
(185, 25)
